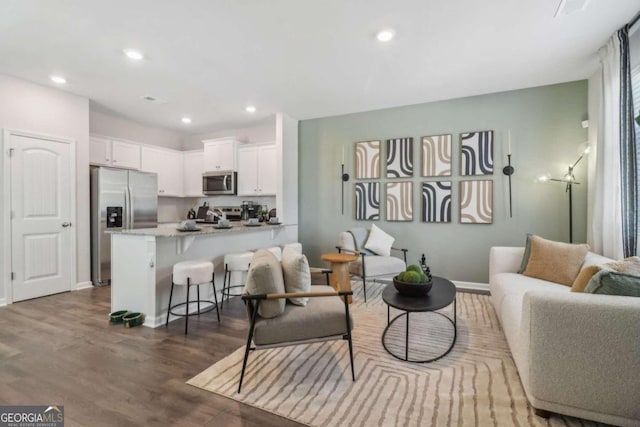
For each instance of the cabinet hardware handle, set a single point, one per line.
(66, 224)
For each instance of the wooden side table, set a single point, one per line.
(340, 280)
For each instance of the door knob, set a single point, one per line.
(66, 224)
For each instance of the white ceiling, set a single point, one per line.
(208, 59)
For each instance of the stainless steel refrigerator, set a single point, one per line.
(120, 199)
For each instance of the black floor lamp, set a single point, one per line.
(570, 180)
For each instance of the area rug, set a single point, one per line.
(476, 384)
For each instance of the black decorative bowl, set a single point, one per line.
(116, 316)
(133, 319)
(412, 289)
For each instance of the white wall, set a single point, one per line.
(262, 133)
(40, 109)
(119, 127)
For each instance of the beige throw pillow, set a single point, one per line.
(297, 275)
(583, 278)
(555, 261)
(265, 277)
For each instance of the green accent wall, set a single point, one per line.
(546, 132)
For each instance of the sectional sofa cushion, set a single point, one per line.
(265, 277)
(555, 261)
(297, 275)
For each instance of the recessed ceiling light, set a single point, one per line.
(385, 35)
(58, 79)
(186, 120)
(134, 55)
(250, 109)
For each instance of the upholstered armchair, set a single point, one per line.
(325, 317)
(286, 309)
(369, 265)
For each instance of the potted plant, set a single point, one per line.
(413, 282)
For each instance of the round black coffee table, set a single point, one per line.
(442, 294)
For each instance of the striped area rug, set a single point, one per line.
(474, 385)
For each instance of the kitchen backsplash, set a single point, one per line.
(174, 209)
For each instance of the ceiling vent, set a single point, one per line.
(153, 99)
(569, 7)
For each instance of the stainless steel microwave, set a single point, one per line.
(214, 183)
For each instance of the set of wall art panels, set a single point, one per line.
(476, 196)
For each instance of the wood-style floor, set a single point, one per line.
(61, 350)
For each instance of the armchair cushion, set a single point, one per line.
(377, 265)
(379, 242)
(322, 317)
(297, 275)
(265, 277)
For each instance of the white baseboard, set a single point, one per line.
(83, 285)
(3, 302)
(480, 288)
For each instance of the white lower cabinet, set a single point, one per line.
(168, 164)
(193, 170)
(257, 170)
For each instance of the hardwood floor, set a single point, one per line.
(61, 350)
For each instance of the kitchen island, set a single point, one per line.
(142, 262)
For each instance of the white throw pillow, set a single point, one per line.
(379, 242)
(297, 275)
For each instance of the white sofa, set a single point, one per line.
(577, 354)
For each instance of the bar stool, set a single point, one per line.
(277, 251)
(192, 273)
(234, 263)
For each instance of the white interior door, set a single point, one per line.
(42, 241)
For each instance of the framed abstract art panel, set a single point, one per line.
(476, 153)
(399, 201)
(367, 201)
(476, 202)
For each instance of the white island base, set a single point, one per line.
(142, 263)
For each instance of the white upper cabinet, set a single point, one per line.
(257, 170)
(193, 170)
(267, 170)
(125, 155)
(220, 154)
(168, 164)
(112, 152)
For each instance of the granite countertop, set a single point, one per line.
(168, 231)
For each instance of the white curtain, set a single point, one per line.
(605, 204)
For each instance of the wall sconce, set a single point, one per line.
(344, 177)
(509, 170)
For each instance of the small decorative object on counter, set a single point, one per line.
(425, 268)
(413, 282)
(116, 316)
(133, 319)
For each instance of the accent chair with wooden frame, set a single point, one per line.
(369, 265)
(325, 317)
